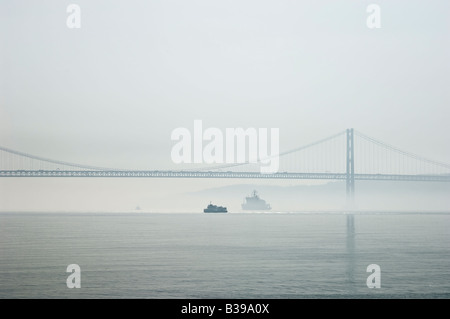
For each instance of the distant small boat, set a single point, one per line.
(215, 209)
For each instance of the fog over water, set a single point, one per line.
(111, 92)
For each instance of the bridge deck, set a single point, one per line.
(212, 174)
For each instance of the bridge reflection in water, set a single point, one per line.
(350, 250)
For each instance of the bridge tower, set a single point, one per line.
(350, 168)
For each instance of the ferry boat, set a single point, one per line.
(215, 209)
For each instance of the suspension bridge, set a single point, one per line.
(348, 155)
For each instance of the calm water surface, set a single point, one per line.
(235, 255)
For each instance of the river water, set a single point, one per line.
(234, 255)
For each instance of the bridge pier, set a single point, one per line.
(350, 171)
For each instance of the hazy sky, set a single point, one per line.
(111, 92)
